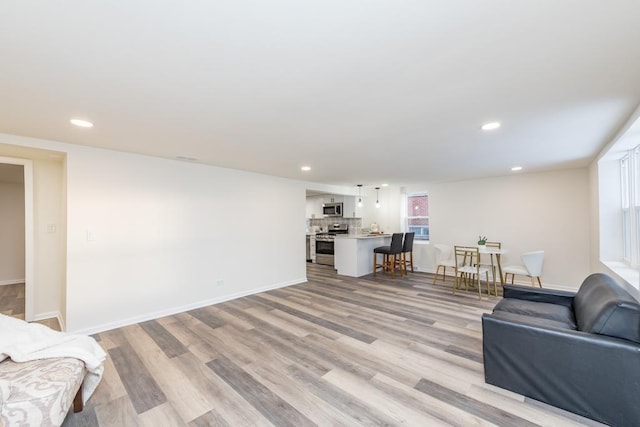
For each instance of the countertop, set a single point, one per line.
(361, 236)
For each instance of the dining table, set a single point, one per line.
(497, 252)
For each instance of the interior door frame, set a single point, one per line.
(27, 166)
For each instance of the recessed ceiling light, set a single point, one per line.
(490, 126)
(516, 168)
(385, 185)
(305, 168)
(81, 123)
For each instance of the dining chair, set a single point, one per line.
(444, 259)
(389, 253)
(532, 267)
(468, 268)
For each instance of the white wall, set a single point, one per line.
(605, 224)
(548, 211)
(12, 259)
(49, 239)
(168, 233)
(594, 235)
(387, 216)
(608, 195)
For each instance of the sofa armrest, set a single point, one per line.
(550, 296)
(592, 375)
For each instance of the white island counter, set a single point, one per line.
(354, 253)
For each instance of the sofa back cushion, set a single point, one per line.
(605, 307)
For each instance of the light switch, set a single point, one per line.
(51, 228)
(91, 236)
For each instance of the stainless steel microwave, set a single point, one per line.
(332, 209)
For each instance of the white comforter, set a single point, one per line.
(22, 342)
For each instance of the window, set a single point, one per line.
(417, 219)
(618, 185)
(630, 206)
(625, 196)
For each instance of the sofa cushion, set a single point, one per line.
(560, 314)
(605, 307)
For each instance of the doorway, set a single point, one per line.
(16, 226)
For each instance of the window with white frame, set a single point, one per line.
(417, 217)
(625, 196)
(630, 205)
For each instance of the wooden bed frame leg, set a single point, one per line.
(78, 406)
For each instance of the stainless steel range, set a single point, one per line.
(324, 243)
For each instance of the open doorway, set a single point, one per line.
(13, 244)
(44, 231)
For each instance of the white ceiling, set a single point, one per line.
(364, 91)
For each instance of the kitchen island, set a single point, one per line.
(354, 253)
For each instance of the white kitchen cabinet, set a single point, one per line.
(350, 207)
(312, 247)
(332, 198)
(314, 207)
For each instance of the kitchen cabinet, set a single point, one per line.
(354, 254)
(350, 207)
(314, 207)
(312, 247)
(332, 198)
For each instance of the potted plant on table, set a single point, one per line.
(482, 240)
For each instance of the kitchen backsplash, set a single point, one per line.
(355, 224)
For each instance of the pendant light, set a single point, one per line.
(377, 197)
(359, 195)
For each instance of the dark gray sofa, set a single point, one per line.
(577, 351)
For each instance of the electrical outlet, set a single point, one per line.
(91, 236)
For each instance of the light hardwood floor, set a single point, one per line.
(12, 304)
(12, 300)
(335, 351)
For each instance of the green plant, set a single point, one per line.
(482, 240)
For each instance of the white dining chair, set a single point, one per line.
(532, 267)
(444, 259)
(468, 268)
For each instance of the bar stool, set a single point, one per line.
(393, 250)
(407, 248)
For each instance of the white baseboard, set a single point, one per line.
(174, 310)
(11, 282)
(49, 315)
(526, 282)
